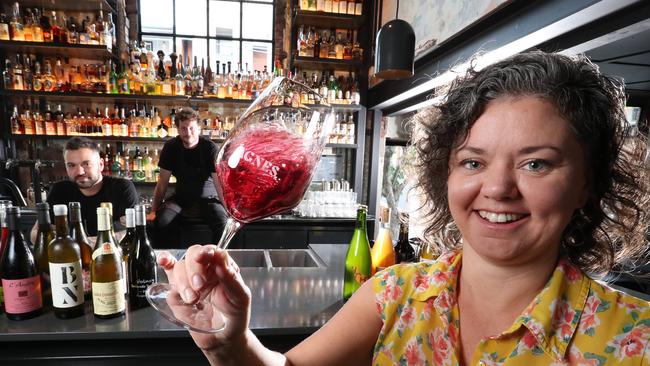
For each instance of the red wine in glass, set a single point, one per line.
(267, 172)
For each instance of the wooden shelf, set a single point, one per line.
(342, 146)
(84, 51)
(311, 63)
(123, 97)
(328, 20)
(99, 138)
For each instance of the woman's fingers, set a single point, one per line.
(167, 261)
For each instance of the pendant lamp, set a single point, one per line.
(395, 49)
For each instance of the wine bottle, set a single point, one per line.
(44, 237)
(106, 272)
(78, 233)
(20, 280)
(66, 278)
(4, 236)
(109, 207)
(403, 249)
(382, 253)
(128, 241)
(142, 262)
(358, 264)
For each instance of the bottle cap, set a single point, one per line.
(140, 215)
(130, 217)
(60, 210)
(103, 221)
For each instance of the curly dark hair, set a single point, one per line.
(186, 114)
(609, 229)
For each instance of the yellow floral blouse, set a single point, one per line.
(574, 320)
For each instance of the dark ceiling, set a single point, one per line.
(627, 58)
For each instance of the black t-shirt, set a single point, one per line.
(120, 192)
(192, 168)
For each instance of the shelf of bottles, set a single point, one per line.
(324, 20)
(85, 51)
(331, 7)
(71, 5)
(40, 30)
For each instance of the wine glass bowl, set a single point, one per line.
(264, 167)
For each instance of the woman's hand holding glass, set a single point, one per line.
(208, 277)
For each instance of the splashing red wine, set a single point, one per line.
(264, 172)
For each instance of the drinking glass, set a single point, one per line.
(264, 167)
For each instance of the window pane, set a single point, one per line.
(155, 43)
(157, 16)
(257, 54)
(257, 21)
(190, 47)
(191, 18)
(224, 51)
(224, 19)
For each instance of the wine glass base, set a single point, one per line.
(200, 317)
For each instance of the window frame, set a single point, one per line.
(207, 38)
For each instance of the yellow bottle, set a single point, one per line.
(383, 253)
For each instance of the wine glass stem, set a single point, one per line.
(229, 230)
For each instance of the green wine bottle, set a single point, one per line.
(358, 265)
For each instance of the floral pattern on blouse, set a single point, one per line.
(573, 320)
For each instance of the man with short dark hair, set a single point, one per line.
(190, 158)
(87, 186)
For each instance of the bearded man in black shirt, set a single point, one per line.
(89, 187)
(191, 159)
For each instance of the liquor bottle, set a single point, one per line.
(179, 79)
(44, 236)
(16, 127)
(403, 250)
(49, 81)
(4, 28)
(38, 28)
(142, 262)
(66, 279)
(107, 273)
(161, 129)
(112, 80)
(28, 26)
(358, 7)
(16, 29)
(20, 280)
(123, 81)
(358, 265)
(28, 76)
(351, 7)
(59, 121)
(18, 80)
(37, 78)
(78, 233)
(382, 253)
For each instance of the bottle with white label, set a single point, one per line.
(20, 280)
(106, 273)
(78, 233)
(66, 278)
(142, 263)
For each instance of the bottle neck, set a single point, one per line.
(61, 223)
(361, 221)
(141, 231)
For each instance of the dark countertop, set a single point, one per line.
(286, 301)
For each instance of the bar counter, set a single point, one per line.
(289, 303)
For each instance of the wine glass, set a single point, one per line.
(264, 167)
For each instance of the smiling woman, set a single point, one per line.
(572, 99)
(519, 164)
